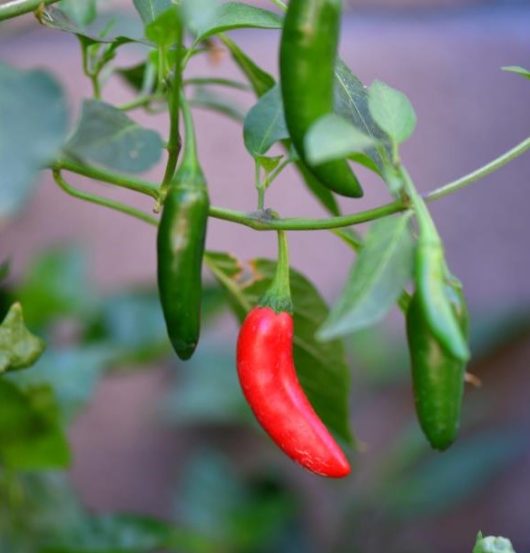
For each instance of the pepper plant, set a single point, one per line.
(318, 117)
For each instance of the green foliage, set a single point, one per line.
(33, 108)
(332, 137)
(106, 136)
(31, 437)
(82, 12)
(19, 348)
(56, 286)
(377, 278)
(265, 123)
(517, 70)
(236, 15)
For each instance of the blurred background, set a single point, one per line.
(157, 437)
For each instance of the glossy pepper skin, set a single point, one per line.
(308, 52)
(269, 382)
(438, 377)
(180, 248)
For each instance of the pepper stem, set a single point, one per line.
(278, 296)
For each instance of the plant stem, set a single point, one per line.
(111, 204)
(20, 7)
(480, 173)
(123, 181)
(278, 296)
(214, 81)
(262, 221)
(174, 143)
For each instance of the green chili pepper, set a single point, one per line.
(438, 377)
(432, 279)
(308, 52)
(180, 248)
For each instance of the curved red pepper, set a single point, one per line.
(268, 378)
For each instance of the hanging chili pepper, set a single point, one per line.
(438, 377)
(267, 375)
(308, 53)
(180, 247)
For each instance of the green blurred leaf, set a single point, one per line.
(30, 435)
(392, 111)
(149, 10)
(19, 348)
(33, 108)
(235, 15)
(265, 123)
(213, 101)
(240, 516)
(106, 136)
(444, 480)
(164, 30)
(332, 137)
(200, 14)
(517, 70)
(321, 367)
(111, 30)
(260, 80)
(56, 286)
(72, 373)
(493, 544)
(127, 534)
(376, 280)
(82, 12)
(351, 103)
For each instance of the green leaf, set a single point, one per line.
(106, 136)
(492, 544)
(164, 30)
(82, 12)
(518, 70)
(113, 31)
(377, 278)
(260, 80)
(207, 99)
(235, 15)
(351, 103)
(72, 373)
(269, 164)
(200, 14)
(19, 348)
(240, 515)
(265, 123)
(30, 436)
(149, 10)
(392, 111)
(119, 533)
(332, 137)
(56, 286)
(321, 367)
(134, 75)
(33, 108)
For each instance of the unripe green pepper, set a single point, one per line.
(438, 377)
(180, 247)
(308, 52)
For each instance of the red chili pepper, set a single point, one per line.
(268, 378)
